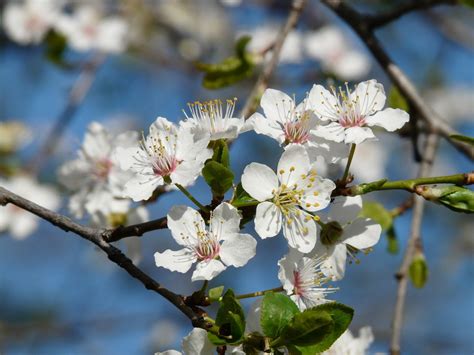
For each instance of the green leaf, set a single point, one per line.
(56, 45)
(392, 241)
(418, 271)
(397, 100)
(230, 70)
(456, 198)
(221, 153)
(468, 3)
(464, 139)
(215, 293)
(302, 350)
(277, 311)
(242, 198)
(378, 213)
(218, 177)
(230, 318)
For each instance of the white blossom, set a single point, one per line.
(344, 234)
(214, 249)
(348, 344)
(19, 222)
(28, 22)
(95, 176)
(195, 343)
(287, 198)
(167, 155)
(210, 116)
(303, 280)
(337, 55)
(350, 114)
(86, 30)
(289, 123)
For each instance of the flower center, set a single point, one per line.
(297, 131)
(211, 113)
(208, 247)
(102, 168)
(161, 155)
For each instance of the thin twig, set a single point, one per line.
(413, 241)
(134, 230)
(78, 91)
(262, 81)
(96, 236)
(403, 83)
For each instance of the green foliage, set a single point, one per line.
(464, 139)
(418, 271)
(231, 70)
(396, 99)
(242, 198)
(277, 312)
(315, 329)
(218, 177)
(456, 198)
(56, 45)
(215, 293)
(221, 153)
(378, 213)
(468, 3)
(392, 241)
(230, 319)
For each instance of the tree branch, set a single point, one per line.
(134, 230)
(413, 242)
(379, 20)
(262, 81)
(96, 236)
(403, 83)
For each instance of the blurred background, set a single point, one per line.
(59, 295)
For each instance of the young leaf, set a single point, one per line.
(396, 99)
(464, 139)
(56, 45)
(418, 271)
(230, 318)
(392, 241)
(221, 153)
(468, 3)
(242, 198)
(215, 293)
(378, 213)
(218, 177)
(277, 311)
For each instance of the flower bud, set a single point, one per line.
(418, 270)
(456, 198)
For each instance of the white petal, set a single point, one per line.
(293, 163)
(191, 143)
(370, 97)
(259, 181)
(362, 233)
(175, 260)
(391, 119)
(225, 221)
(267, 126)
(169, 352)
(197, 343)
(345, 209)
(185, 223)
(187, 172)
(238, 249)
(287, 266)
(335, 264)
(276, 104)
(300, 231)
(331, 151)
(75, 173)
(352, 65)
(97, 141)
(357, 135)
(267, 220)
(332, 131)
(24, 225)
(318, 196)
(141, 187)
(207, 270)
(323, 103)
(127, 157)
(253, 317)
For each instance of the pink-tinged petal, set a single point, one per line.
(332, 131)
(300, 231)
(357, 135)
(259, 181)
(276, 104)
(267, 220)
(175, 260)
(363, 233)
(345, 209)
(267, 127)
(141, 187)
(391, 119)
(185, 224)
(287, 265)
(335, 264)
(207, 270)
(197, 343)
(225, 221)
(238, 249)
(323, 103)
(370, 97)
(318, 196)
(294, 163)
